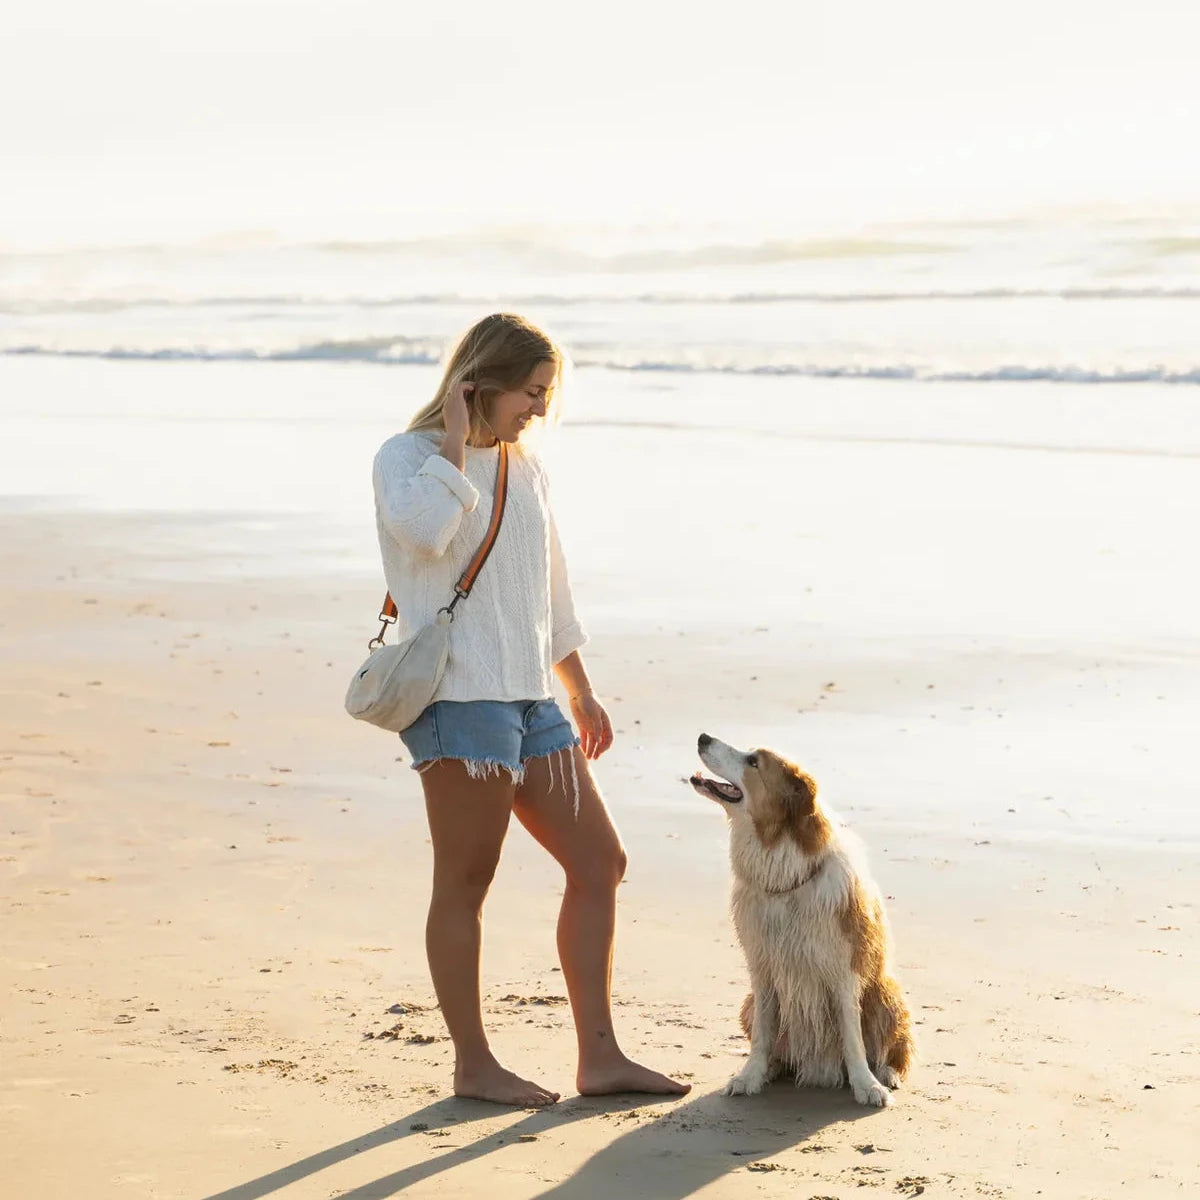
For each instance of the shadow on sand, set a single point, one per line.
(667, 1156)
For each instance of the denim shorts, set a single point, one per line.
(490, 735)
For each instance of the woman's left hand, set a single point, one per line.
(595, 729)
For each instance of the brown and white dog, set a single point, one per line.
(824, 1005)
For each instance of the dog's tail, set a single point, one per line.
(887, 1026)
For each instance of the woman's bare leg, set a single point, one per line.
(590, 852)
(468, 819)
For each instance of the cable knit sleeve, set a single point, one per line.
(420, 497)
(567, 633)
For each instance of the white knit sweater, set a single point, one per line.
(519, 619)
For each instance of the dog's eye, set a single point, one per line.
(752, 760)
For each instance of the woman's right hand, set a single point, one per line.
(457, 416)
(457, 419)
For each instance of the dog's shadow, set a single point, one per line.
(707, 1137)
(667, 1155)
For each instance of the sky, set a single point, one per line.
(146, 120)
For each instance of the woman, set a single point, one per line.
(493, 742)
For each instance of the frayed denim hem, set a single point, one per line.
(554, 756)
(483, 768)
(477, 768)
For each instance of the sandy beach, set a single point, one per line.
(214, 882)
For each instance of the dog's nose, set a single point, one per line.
(703, 740)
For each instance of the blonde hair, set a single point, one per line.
(497, 354)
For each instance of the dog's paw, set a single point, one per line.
(873, 1093)
(888, 1076)
(748, 1082)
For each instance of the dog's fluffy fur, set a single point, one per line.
(824, 1005)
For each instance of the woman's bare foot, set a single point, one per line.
(490, 1081)
(624, 1075)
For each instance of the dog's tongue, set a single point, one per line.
(728, 791)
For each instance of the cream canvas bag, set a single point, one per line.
(397, 683)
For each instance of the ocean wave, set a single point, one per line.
(1004, 373)
(106, 304)
(617, 251)
(393, 351)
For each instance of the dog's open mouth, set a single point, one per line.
(718, 789)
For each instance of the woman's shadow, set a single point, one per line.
(667, 1156)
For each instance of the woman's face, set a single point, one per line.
(511, 412)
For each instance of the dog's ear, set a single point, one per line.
(801, 791)
(804, 821)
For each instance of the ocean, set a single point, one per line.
(1074, 298)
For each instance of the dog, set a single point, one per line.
(824, 1004)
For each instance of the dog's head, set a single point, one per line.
(764, 789)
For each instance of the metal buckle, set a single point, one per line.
(377, 640)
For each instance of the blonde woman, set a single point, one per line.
(494, 742)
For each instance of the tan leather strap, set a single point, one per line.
(466, 581)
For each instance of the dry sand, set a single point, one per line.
(213, 896)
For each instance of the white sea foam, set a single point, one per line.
(1105, 302)
(422, 352)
